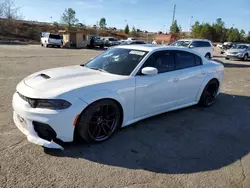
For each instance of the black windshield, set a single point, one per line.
(117, 61)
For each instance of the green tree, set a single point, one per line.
(234, 35)
(126, 29)
(206, 31)
(218, 30)
(174, 28)
(196, 29)
(242, 35)
(133, 32)
(248, 37)
(69, 17)
(102, 23)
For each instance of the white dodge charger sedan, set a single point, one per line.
(119, 87)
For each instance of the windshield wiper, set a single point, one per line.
(96, 68)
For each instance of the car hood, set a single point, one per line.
(67, 78)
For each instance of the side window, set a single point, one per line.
(200, 44)
(194, 44)
(139, 42)
(207, 44)
(163, 61)
(198, 60)
(184, 60)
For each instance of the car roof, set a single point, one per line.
(154, 47)
(243, 44)
(195, 40)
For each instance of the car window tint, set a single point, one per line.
(54, 36)
(201, 44)
(206, 44)
(198, 60)
(184, 60)
(163, 61)
(194, 44)
(139, 42)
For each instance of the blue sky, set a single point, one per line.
(151, 15)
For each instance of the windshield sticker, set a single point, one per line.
(137, 52)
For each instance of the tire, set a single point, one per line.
(208, 56)
(245, 57)
(99, 121)
(209, 93)
(102, 46)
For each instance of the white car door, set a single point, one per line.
(158, 92)
(191, 76)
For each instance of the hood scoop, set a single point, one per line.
(45, 76)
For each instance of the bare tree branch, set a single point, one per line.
(9, 10)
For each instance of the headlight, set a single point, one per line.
(54, 104)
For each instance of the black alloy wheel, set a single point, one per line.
(99, 121)
(245, 57)
(209, 94)
(208, 56)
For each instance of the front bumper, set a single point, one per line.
(234, 56)
(61, 121)
(26, 127)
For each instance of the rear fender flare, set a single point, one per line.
(203, 85)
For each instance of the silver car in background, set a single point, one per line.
(238, 51)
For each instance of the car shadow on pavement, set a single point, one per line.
(237, 64)
(190, 140)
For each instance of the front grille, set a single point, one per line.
(32, 102)
(233, 52)
(44, 131)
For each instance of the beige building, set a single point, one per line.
(74, 39)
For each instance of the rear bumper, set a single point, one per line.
(55, 44)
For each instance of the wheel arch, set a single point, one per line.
(98, 100)
(204, 84)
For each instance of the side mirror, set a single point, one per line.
(149, 71)
(191, 46)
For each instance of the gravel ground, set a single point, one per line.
(193, 147)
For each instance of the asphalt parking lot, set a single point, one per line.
(192, 147)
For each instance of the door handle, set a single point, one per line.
(175, 79)
(203, 72)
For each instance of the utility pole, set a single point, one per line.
(174, 14)
(190, 23)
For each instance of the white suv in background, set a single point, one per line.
(49, 39)
(203, 47)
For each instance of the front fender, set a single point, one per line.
(127, 107)
(103, 94)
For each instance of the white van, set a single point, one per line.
(203, 47)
